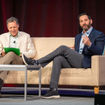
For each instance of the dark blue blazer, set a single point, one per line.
(98, 41)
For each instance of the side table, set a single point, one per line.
(23, 68)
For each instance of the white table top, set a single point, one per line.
(13, 67)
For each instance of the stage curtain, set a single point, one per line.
(51, 18)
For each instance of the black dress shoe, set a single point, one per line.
(31, 64)
(51, 94)
(1, 85)
(0, 95)
(28, 61)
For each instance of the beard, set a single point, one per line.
(85, 27)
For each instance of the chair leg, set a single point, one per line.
(40, 82)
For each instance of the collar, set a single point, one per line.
(15, 36)
(89, 31)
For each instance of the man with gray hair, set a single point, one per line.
(14, 39)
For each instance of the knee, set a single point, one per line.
(63, 47)
(58, 59)
(12, 54)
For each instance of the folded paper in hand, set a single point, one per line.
(15, 50)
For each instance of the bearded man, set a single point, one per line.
(88, 43)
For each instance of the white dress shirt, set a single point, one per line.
(87, 33)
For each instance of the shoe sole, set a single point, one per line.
(24, 60)
(55, 97)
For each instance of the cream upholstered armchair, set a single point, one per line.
(94, 76)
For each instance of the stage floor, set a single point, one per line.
(14, 96)
(35, 100)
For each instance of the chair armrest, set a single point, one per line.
(98, 68)
(98, 61)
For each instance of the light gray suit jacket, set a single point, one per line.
(24, 43)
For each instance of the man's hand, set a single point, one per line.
(72, 47)
(86, 41)
(3, 53)
(20, 54)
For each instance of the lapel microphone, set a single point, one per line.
(14, 41)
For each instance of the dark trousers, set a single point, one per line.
(62, 57)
